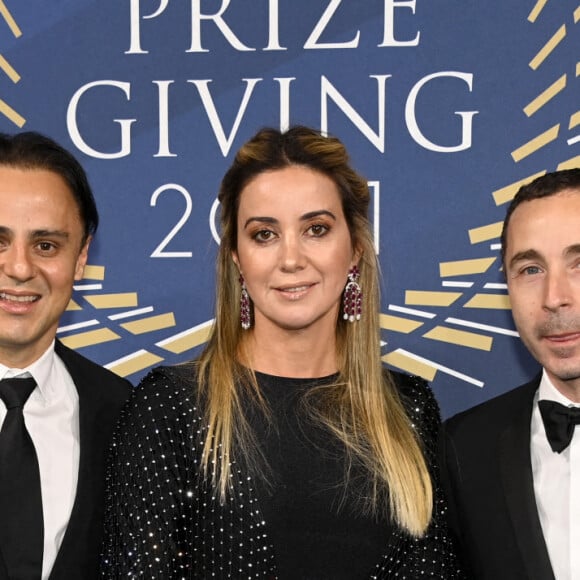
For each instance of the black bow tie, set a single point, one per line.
(559, 422)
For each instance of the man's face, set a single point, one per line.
(41, 254)
(543, 274)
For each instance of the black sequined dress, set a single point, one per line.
(164, 521)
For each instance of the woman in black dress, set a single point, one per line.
(287, 450)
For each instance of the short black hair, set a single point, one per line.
(543, 186)
(31, 150)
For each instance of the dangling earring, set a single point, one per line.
(352, 300)
(245, 318)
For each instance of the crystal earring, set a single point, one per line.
(245, 318)
(352, 299)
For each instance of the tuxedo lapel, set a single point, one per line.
(88, 413)
(100, 402)
(517, 480)
(3, 571)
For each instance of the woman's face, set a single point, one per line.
(293, 248)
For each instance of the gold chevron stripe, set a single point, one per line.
(5, 13)
(423, 298)
(493, 301)
(410, 365)
(121, 300)
(577, 15)
(507, 193)
(485, 233)
(94, 273)
(89, 338)
(547, 49)
(570, 164)
(9, 70)
(11, 114)
(536, 10)
(465, 267)
(536, 143)
(72, 305)
(555, 88)
(574, 120)
(398, 323)
(150, 323)
(460, 337)
(131, 365)
(187, 341)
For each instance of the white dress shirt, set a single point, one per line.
(51, 415)
(557, 489)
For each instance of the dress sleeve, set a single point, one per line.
(149, 483)
(435, 554)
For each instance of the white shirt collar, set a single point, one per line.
(549, 392)
(39, 370)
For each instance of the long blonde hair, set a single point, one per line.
(362, 408)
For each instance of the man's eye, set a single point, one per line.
(46, 246)
(531, 270)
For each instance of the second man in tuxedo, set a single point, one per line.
(512, 464)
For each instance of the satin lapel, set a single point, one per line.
(3, 571)
(517, 480)
(89, 407)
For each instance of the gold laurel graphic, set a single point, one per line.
(150, 323)
(490, 301)
(460, 337)
(399, 324)
(548, 48)
(536, 10)
(9, 70)
(536, 143)
(422, 298)
(423, 311)
(507, 193)
(124, 300)
(478, 336)
(90, 338)
(8, 18)
(5, 109)
(128, 317)
(546, 96)
(465, 267)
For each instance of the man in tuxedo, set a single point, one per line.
(57, 408)
(511, 465)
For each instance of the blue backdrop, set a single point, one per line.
(446, 106)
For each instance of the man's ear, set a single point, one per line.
(82, 259)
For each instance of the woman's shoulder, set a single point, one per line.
(417, 396)
(167, 387)
(409, 386)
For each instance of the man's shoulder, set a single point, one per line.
(80, 366)
(496, 413)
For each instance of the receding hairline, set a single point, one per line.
(568, 191)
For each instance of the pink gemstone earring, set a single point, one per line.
(245, 317)
(352, 299)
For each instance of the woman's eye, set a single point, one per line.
(263, 235)
(318, 230)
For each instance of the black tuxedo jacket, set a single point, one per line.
(487, 475)
(102, 395)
